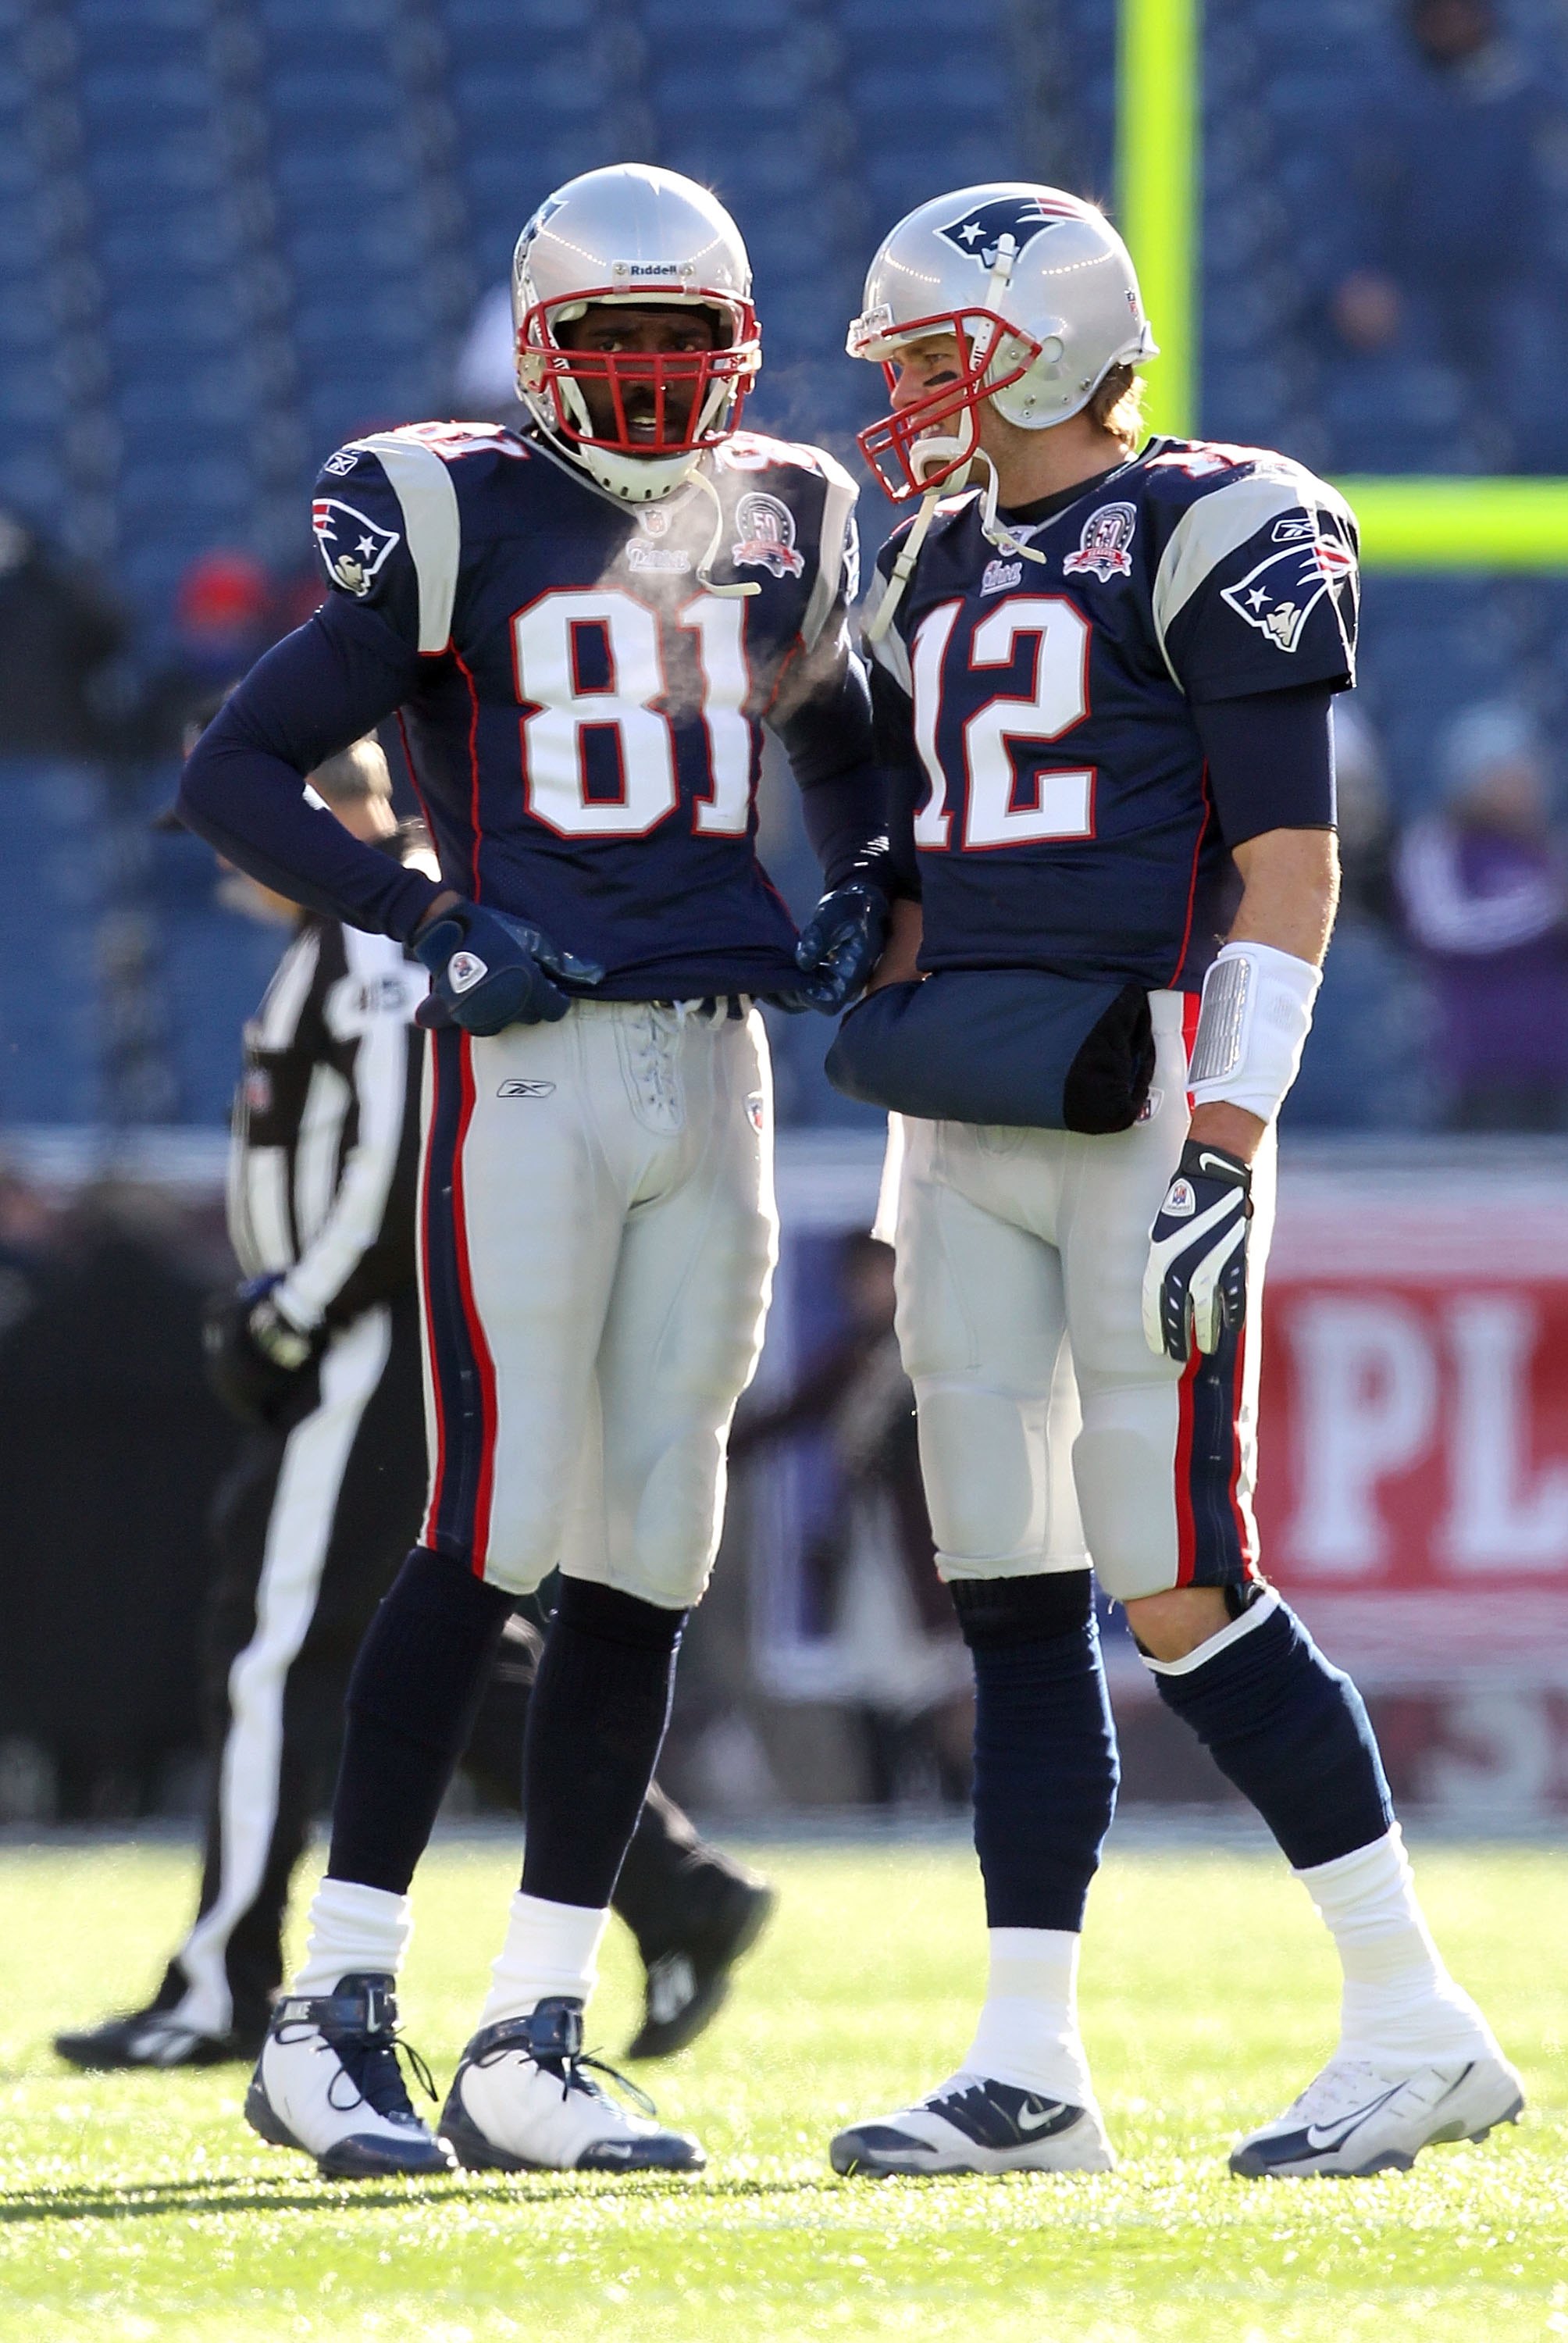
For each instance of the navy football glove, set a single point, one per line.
(1195, 1284)
(840, 945)
(257, 1358)
(490, 972)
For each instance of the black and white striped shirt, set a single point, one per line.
(326, 1130)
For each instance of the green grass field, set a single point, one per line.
(141, 2208)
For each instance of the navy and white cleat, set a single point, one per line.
(523, 2100)
(974, 2125)
(328, 2082)
(1358, 2117)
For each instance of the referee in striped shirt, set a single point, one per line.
(319, 1355)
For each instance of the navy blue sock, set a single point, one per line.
(1293, 1734)
(1045, 1747)
(416, 1682)
(600, 1704)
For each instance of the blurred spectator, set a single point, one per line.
(115, 1445)
(1452, 247)
(225, 616)
(1485, 896)
(901, 1668)
(60, 634)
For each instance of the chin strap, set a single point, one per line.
(744, 588)
(995, 532)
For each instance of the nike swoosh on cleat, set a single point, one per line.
(1027, 2119)
(1322, 2137)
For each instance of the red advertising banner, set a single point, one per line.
(1413, 1427)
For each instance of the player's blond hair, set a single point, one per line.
(356, 772)
(1118, 405)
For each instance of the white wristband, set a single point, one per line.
(1257, 1013)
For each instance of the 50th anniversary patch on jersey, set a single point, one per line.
(765, 536)
(352, 546)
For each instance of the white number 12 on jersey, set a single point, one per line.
(1058, 699)
(555, 780)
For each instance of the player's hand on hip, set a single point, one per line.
(488, 971)
(1195, 1283)
(840, 946)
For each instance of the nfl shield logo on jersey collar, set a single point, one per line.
(1104, 545)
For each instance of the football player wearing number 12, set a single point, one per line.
(581, 630)
(1103, 679)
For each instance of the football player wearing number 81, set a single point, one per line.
(1103, 676)
(580, 629)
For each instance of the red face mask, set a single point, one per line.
(892, 446)
(672, 387)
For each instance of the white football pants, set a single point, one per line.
(1009, 1240)
(598, 1238)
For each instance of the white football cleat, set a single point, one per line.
(1360, 2117)
(328, 2082)
(970, 2123)
(523, 2101)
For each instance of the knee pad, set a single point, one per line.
(994, 1613)
(426, 1655)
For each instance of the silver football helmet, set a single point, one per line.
(1042, 295)
(643, 237)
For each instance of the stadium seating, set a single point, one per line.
(233, 232)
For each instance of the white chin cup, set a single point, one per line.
(1256, 1015)
(635, 479)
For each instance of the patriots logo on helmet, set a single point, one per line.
(978, 234)
(352, 546)
(1280, 594)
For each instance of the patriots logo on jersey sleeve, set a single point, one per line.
(1280, 594)
(978, 234)
(353, 547)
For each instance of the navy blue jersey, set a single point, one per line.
(583, 717)
(1042, 721)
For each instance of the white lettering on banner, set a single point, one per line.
(1501, 1518)
(1368, 1390)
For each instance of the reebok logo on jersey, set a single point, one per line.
(465, 969)
(353, 547)
(344, 461)
(1103, 545)
(519, 1088)
(765, 536)
(1181, 1203)
(1000, 575)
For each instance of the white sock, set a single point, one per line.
(354, 1930)
(551, 1950)
(1400, 2002)
(1028, 2031)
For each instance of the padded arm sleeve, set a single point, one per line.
(325, 685)
(1271, 758)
